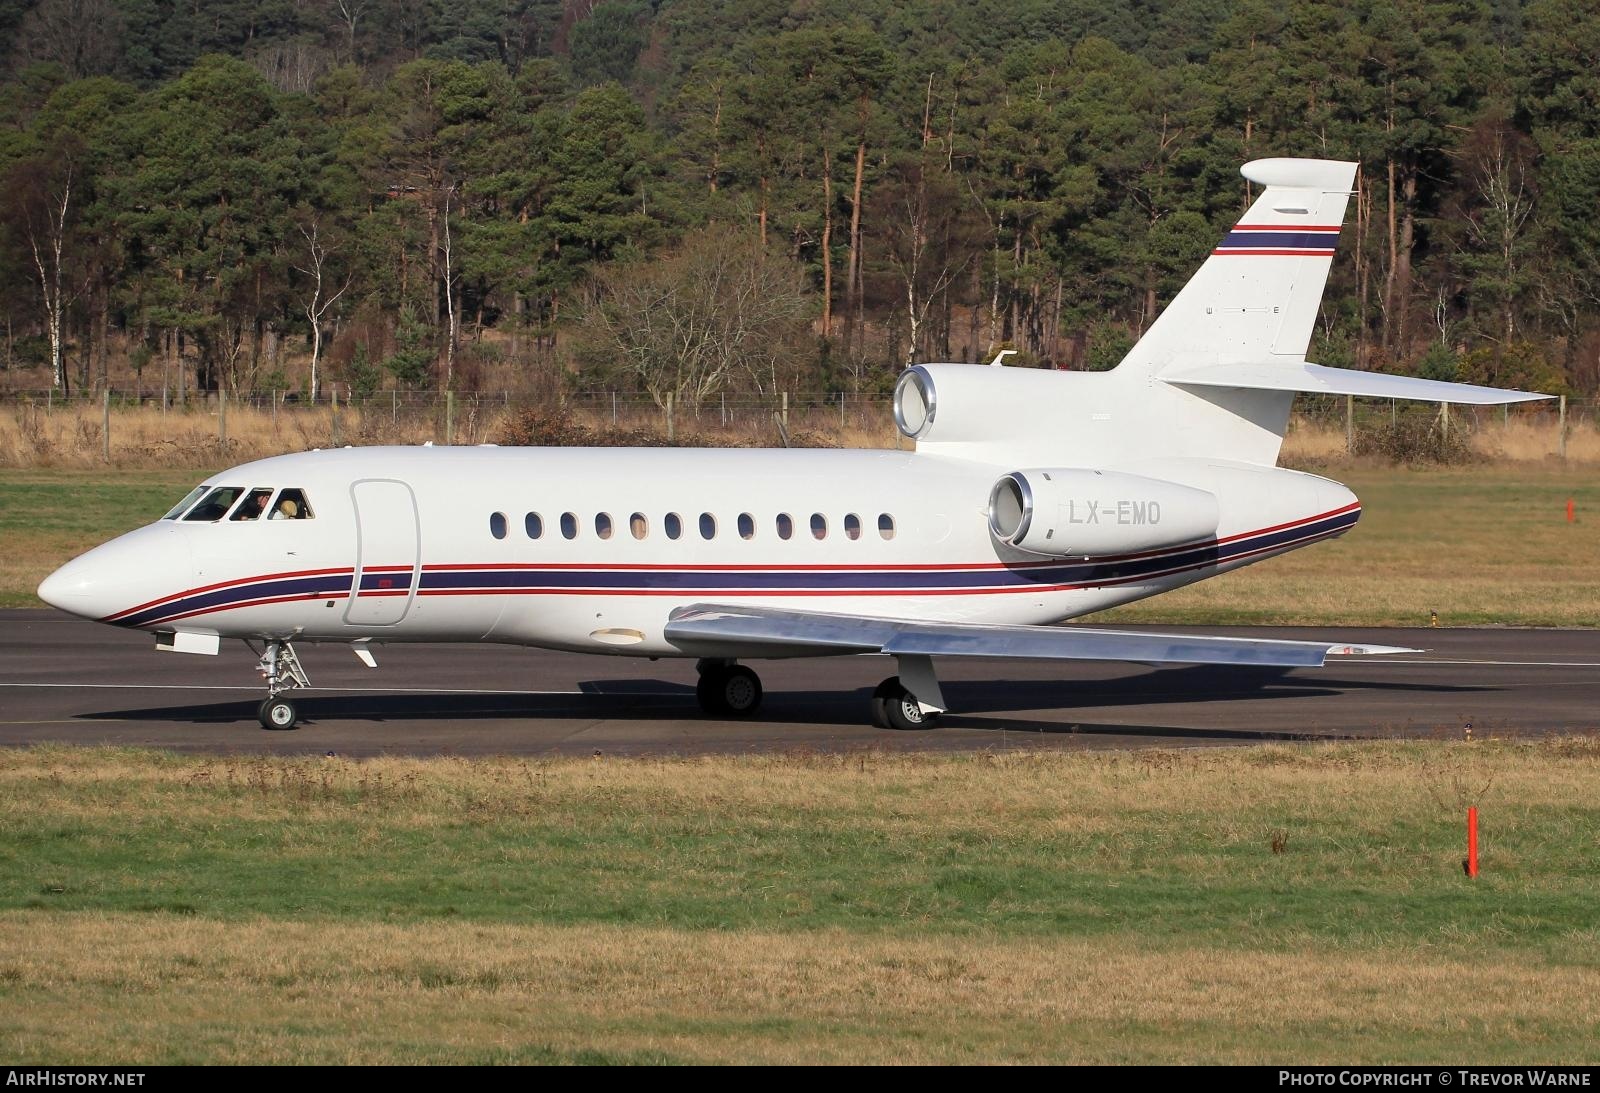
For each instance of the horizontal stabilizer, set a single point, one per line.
(718, 630)
(1315, 379)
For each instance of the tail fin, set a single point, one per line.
(1256, 297)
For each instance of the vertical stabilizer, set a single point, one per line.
(1256, 297)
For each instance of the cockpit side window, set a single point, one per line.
(292, 505)
(254, 504)
(182, 506)
(216, 504)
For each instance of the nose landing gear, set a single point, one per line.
(281, 669)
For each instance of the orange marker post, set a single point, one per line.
(1570, 516)
(1472, 842)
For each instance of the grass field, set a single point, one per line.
(1488, 545)
(1260, 905)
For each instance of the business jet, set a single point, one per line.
(1031, 497)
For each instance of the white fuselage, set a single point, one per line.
(434, 544)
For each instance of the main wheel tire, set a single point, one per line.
(277, 713)
(729, 691)
(741, 691)
(879, 702)
(708, 692)
(900, 709)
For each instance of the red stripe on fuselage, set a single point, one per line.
(345, 572)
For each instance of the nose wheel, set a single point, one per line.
(281, 669)
(277, 713)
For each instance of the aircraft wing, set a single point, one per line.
(709, 629)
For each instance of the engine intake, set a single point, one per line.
(1073, 512)
(968, 403)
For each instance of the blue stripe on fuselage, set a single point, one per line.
(747, 581)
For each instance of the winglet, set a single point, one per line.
(1368, 650)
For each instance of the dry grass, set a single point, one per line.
(148, 436)
(86, 988)
(1067, 793)
(151, 437)
(1517, 440)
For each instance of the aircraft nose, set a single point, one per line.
(137, 567)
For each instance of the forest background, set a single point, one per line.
(689, 199)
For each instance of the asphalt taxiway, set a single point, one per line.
(67, 681)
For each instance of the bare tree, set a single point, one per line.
(930, 235)
(454, 325)
(294, 66)
(1495, 251)
(686, 325)
(84, 37)
(318, 251)
(350, 14)
(41, 205)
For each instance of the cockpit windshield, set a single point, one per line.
(254, 504)
(216, 504)
(190, 498)
(241, 504)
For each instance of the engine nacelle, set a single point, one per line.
(1073, 512)
(957, 403)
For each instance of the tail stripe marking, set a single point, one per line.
(1290, 239)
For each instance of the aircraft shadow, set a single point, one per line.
(844, 710)
(976, 704)
(1190, 685)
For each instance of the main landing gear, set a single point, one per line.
(910, 700)
(894, 707)
(727, 689)
(281, 668)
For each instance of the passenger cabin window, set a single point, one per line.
(708, 526)
(673, 525)
(852, 526)
(785, 525)
(292, 505)
(747, 526)
(216, 504)
(602, 525)
(497, 525)
(638, 525)
(183, 506)
(253, 506)
(533, 524)
(819, 526)
(569, 526)
(885, 526)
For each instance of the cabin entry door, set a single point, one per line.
(388, 550)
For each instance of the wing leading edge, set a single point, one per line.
(708, 629)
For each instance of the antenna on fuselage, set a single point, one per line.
(1000, 357)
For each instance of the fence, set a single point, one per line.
(114, 426)
(45, 426)
(1558, 421)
